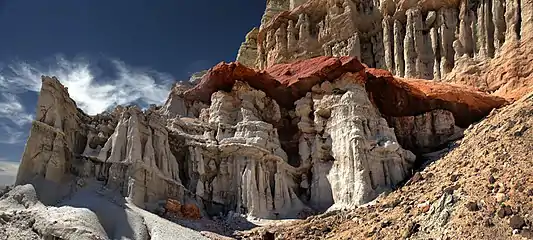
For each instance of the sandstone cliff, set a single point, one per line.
(476, 189)
(284, 142)
(326, 108)
(416, 39)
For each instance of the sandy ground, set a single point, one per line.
(92, 213)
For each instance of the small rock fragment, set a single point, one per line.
(504, 211)
(268, 236)
(454, 177)
(530, 192)
(492, 180)
(501, 197)
(412, 228)
(472, 206)
(516, 222)
(416, 178)
(487, 222)
(424, 207)
(385, 223)
(520, 131)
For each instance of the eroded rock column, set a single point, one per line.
(410, 54)
(526, 18)
(435, 46)
(399, 36)
(367, 157)
(512, 17)
(498, 18)
(388, 43)
(378, 51)
(448, 24)
(465, 29)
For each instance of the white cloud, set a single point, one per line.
(12, 135)
(93, 93)
(12, 109)
(8, 172)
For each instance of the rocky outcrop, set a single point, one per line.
(137, 160)
(345, 139)
(423, 39)
(317, 167)
(24, 217)
(279, 143)
(286, 83)
(427, 132)
(247, 54)
(273, 8)
(56, 136)
(234, 158)
(509, 74)
(126, 149)
(412, 97)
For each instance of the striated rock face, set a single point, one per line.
(508, 75)
(140, 163)
(247, 54)
(425, 39)
(234, 159)
(285, 83)
(317, 134)
(57, 134)
(399, 97)
(127, 149)
(426, 132)
(345, 139)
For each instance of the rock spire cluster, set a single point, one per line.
(327, 106)
(281, 143)
(413, 39)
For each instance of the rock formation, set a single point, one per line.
(420, 39)
(345, 139)
(247, 54)
(325, 108)
(127, 148)
(278, 143)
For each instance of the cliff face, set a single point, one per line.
(127, 149)
(416, 39)
(325, 108)
(284, 142)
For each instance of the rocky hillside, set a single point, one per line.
(478, 188)
(326, 110)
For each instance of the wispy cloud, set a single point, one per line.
(12, 109)
(12, 135)
(93, 89)
(8, 172)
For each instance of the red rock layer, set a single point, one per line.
(285, 83)
(397, 97)
(408, 97)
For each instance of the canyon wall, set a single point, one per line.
(286, 142)
(298, 124)
(127, 149)
(416, 39)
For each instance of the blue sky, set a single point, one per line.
(109, 52)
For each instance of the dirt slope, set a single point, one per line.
(482, 188)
